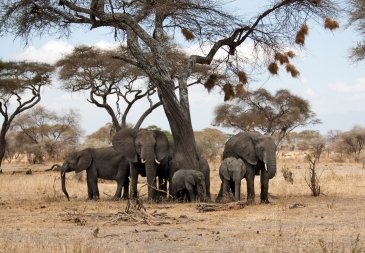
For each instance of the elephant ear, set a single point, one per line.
(162, 147)
(189, 179)
(123, 142)
(244, 147)
(84, 160)
(242, 167)
(223, 170)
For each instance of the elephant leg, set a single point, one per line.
(89, 189)
(118, 192)
(237, 191)
(126, 188)
(134, 179)
(250, 178)
(264, 195)
(190, 189)
(220, 194)
(93, 185)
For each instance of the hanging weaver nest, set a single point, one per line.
(240, 89)
(316, 2)
(228, 91)
(300, 37)
(242, 77)
(187, 34)
(293, 71)
(273, 68)
(291, 54)
(211, 82)
(282, 58)
(331, 24)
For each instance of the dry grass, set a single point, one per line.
(36, 217)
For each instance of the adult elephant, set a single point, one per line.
(104, 163)
(231, 172)
(259, 155)
(147, 152)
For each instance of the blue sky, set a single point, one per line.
(333, 85)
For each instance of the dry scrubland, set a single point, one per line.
(36, 217)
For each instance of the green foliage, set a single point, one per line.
(167, 133)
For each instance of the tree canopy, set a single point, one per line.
(357, 19)
(261, 111)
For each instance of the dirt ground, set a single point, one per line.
(36, 217)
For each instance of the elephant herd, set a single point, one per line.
(148, 153)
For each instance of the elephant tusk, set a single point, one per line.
(143, 161)
(156, 161)
(265, 167)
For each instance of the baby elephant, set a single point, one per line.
(231, 172)
(190, 183)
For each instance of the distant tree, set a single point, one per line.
(20, 90)
(261, 111)
(167, 133)
(101, 137)
(354, 141)
(46, 134)
(307, 139)
(210, 142)
(357, 19)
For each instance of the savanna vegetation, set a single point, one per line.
(152, 66)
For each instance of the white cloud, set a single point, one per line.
(53, 50)
(50, 52)
(357, 87)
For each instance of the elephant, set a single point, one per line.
(231, 172)
(203, 167)
(104, 163)
(147, 152)
(189, 183)
(259, 155)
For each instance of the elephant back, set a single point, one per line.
(241, 146)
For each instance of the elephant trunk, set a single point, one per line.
(63, 184)
(149, 159)
(271, 167)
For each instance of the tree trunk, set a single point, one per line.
(185, 152)
(2, 150)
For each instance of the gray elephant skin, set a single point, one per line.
(259, 155)
(104, 163)
(189, 183)
(203, 167)
(147, 152)
(231, 172)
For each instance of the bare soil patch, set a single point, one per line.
(36, 217)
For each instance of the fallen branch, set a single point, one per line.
(212, 207)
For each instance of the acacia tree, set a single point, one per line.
(354, 141)
(47, 133)
(20, 90)
(106, 79)
(147, 28)
(357, 19)
(261, 111)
